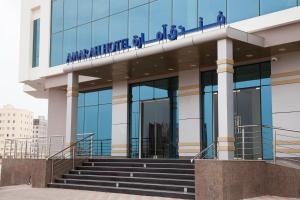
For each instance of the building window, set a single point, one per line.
(36, 43)
(269, 6)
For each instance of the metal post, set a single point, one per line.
(274, 147)
(25, 149)
(243, 142)
(92, 146)
(52, 168)
(10, 148)
(73, 157)
(101, 144)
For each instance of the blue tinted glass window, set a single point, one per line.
(56, 49)
(69, 44)
(91, 119)
(210, 9)
(118, 6)
(118, 26)
(160, 13)
(84, 35)
(91, 98)
(146, 91)
(36, 43)
(70, 13)
(81, 99)
(134, 3)
(100, 32)
(135, 92)
(57, 15)
(105, 121)
(105, 96)
(138, 21)
(185, 13)
(268, 6)
(100, 9)
(80, 120)
(240, 10)
(247, 76)
(84, 11)
(161, 88)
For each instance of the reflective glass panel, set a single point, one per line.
(134, 3)
(36, 43)
(56, 49)
(84, 35)
(209, 10)
(146, 91)
(80, 120)
(105, 121)
(81, 99)
(100, 32)
(105, 96)
(70, 13)
(236, 9)
(100, 9)
(160, 13)
(91, 119)
(268, 6)
(91, 98)
(57, 16)
(161, 89)
(84, 11)
(134, 129)
(69, 44)
(185, 13)
(117, 6)
(118, 26)
(138, 21)
(247, 76)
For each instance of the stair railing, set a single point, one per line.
(62, 160)
(207, 153)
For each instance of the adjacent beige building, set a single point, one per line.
(14, 123)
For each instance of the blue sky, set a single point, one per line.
(11, 92)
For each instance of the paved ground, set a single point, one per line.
(25, 192)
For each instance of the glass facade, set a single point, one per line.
(95, 116)
(110, 20)
(36, 43)
(144, 123)
(252, 106)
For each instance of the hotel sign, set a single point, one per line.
(138, 41)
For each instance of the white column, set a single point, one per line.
(225, 100)
(71, 116)
(189, 113)
(120, 119)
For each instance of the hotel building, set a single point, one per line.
(166, 78)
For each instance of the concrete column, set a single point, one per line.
(71, 116)
(120, 119)
(189, 113)
(225, 100)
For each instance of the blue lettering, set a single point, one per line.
(125, 44)
(173, 33)
(138, 41)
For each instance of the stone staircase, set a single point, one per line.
(150, 177)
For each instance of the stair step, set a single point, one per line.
(137, 169)
(140, 160)
(146, 192)
(135, 174)
(140, 164)
(189, 189)
(132, 179)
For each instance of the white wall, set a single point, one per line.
(286, 100)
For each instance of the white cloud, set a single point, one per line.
(11, 91)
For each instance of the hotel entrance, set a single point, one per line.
(154, 119)
(155, 129)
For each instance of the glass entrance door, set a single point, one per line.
(155, 130)
(247, 117)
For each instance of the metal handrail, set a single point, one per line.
(201, 152)
(71, 151)
(75, 143)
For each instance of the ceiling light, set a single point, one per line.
(146, 74)
(109, 80)
(282, 49)
(193, 65)
(249, 55)
(92, 83)
(207, 55)
(155, 65)
(171, 69)
(161, 57)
